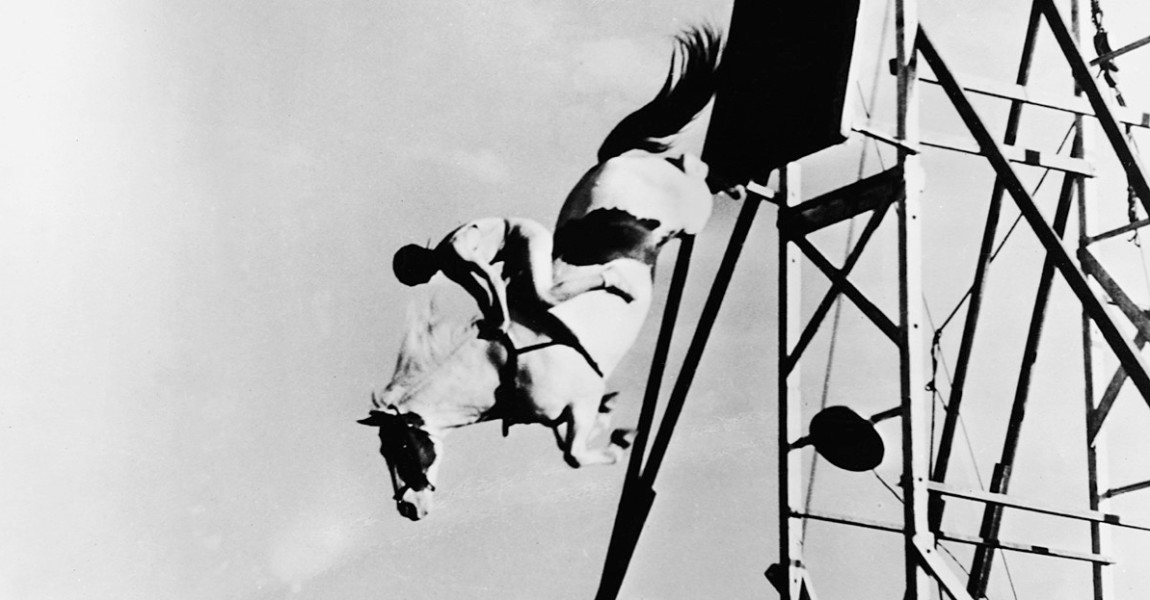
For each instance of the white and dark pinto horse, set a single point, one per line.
(622, 211)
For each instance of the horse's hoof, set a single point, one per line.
(608, 402)
(623, 438)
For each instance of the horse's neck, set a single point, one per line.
(459, 392)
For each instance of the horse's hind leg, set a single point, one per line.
(583, 420)
(621, 437)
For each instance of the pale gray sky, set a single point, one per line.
(198, 206)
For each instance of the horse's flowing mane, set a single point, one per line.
(691, 81)
(430, 340)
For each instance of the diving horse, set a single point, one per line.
(639, 196)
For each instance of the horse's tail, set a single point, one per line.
(691, 81)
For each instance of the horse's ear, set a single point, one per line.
(374, 418)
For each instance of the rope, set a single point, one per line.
(942, 400)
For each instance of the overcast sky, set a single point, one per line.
(198, 207)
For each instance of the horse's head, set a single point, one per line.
(410, 452)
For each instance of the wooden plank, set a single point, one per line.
(1015, 154)
(982, 86)
(789, 403)
(841, 204)
(1027, 505)
(961, 538)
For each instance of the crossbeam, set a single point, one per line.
(792, 358)
(948, 536)
(982, 86)
(1015, 154)
(838, 279)
(841, 204)
(1014, 502)
(1135, 226)
(1097, 416)
(1126, 489)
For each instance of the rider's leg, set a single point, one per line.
(537, 247)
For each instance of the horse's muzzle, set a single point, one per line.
(414, 505)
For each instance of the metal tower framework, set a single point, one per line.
(924, 482)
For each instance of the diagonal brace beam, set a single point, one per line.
(828, 300)
(1098, 415)
(1135, 173)
(839, 280)
(1122, 347)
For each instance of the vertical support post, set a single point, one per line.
(914, 411)
(789, 398)
(1097, 482)
(1096, 460)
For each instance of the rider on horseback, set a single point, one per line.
(468, 254)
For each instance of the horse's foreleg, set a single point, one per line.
(583, 420)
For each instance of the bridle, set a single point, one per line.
(407, 450)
